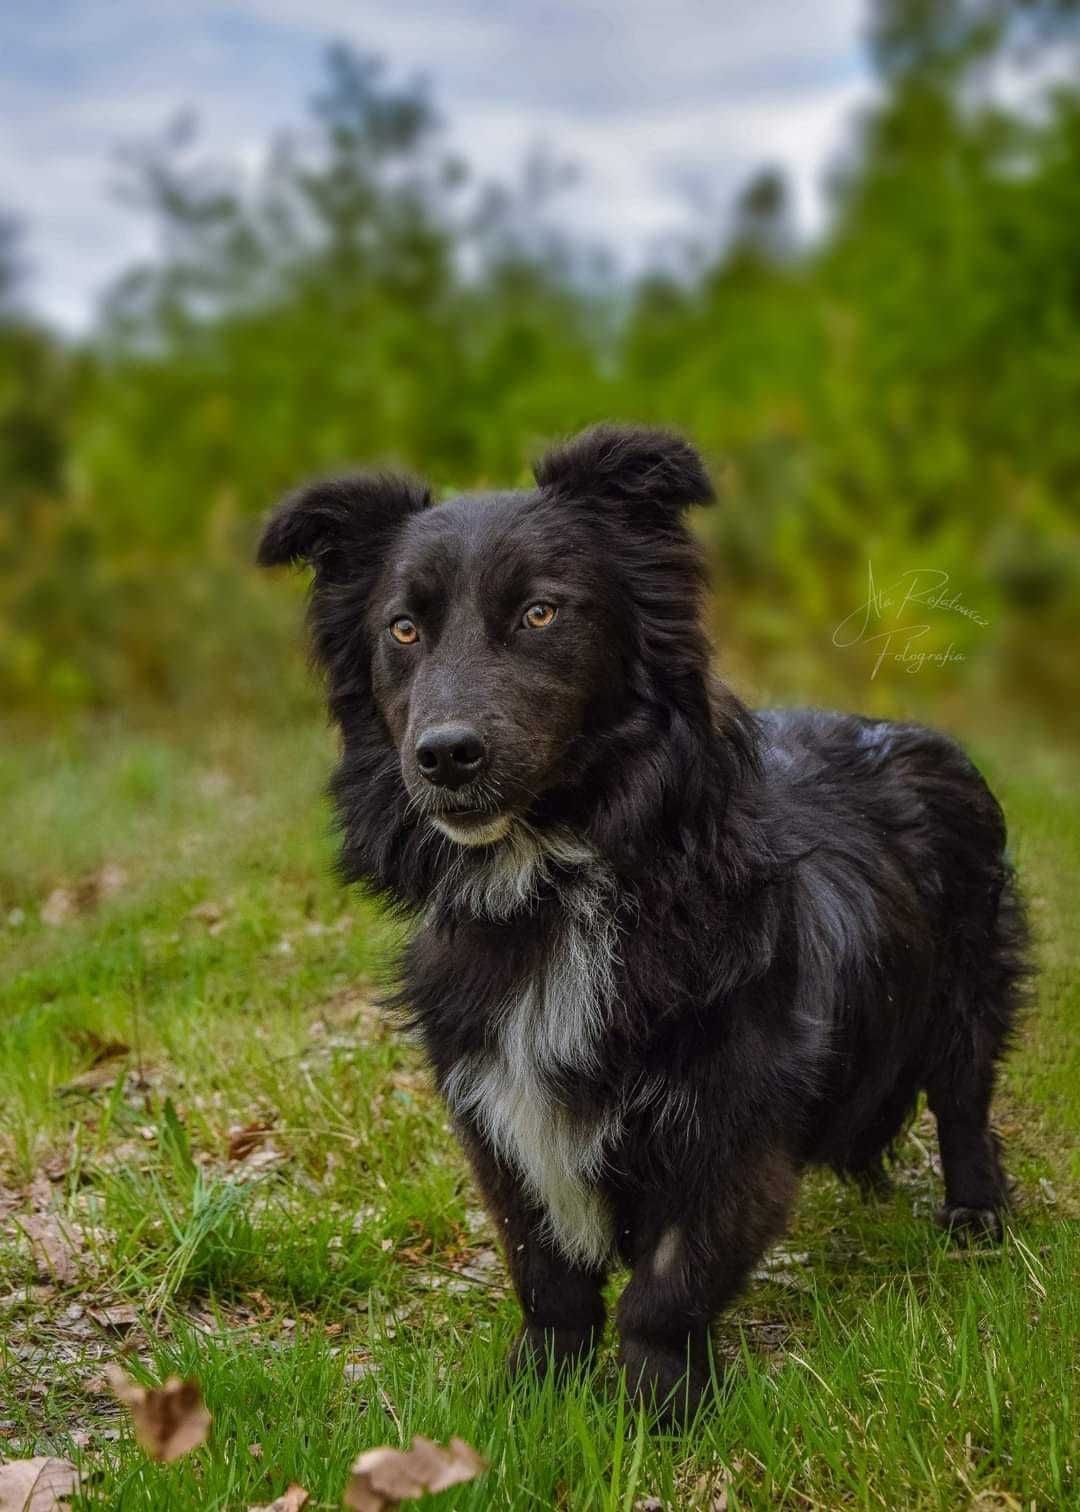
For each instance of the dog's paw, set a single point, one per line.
(670, 1385)
(968, 1224)
(559, 1349)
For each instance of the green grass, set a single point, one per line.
(344, 1293)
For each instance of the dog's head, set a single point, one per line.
(488, 655)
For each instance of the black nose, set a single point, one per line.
(450, 755)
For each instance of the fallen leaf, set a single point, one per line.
(40, 1192)
(292, 1500)
(384, 1477)
(54, 1245)
(120, 1317)
(36, 1296)
(244, 1138)
(96, 1079)
(58, 907)
(97, 1048)
(108, 879)
(57, 1166)
(261, 1160)
(169, 1420)
(480, 1265)
(36, 1485)
(65, 903)
(209, 913)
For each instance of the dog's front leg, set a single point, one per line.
(691, 1256)
(562, 1302)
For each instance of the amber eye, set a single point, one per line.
(404, 632)
(539, 616)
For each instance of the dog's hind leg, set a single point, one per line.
(976, 1190)
(865, 1159)
(959, 1089)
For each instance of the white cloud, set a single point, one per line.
(630, 189)
(643, 97)
(590, 57)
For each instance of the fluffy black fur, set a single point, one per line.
(702, 947)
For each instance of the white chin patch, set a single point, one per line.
(475, 834)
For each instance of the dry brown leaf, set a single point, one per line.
(291, 1500)
(119, 1317)
(244, 1138)
(103, 1050)
(54, 1244)
(40, 1192)
(384, 1477)
(65, 903)
(58, 907)
(209, 913)
(98, 1049)
(56, 1167)
(108, 879)
(36, 1485)
(98, 1078)
(262, 1160)
(169, 1420)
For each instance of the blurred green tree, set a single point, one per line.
(904, 389)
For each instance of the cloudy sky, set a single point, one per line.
(662, 104)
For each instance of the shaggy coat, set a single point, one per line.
(668, 952)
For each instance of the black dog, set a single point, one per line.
(670, 951)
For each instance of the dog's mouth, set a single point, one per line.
(476, 814)
(473, 826)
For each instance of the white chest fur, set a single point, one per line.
(551, 1028)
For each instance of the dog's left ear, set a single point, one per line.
(649, 472)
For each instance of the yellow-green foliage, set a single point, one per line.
(905, 393)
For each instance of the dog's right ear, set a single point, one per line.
(337, 518)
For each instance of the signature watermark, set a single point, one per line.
(890, 620)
